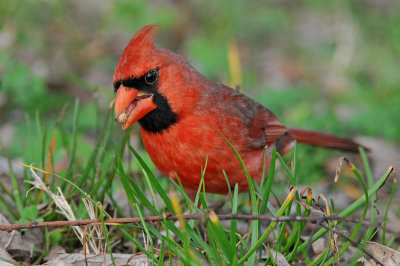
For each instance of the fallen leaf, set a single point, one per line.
(383, 254)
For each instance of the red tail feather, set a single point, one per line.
(324, 140)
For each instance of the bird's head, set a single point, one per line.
(147, 82)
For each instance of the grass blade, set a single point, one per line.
(74, 138)
(254, 227)
(268, 185)
(264, 236)
(153, 179)
(105, 232)
(387, 211)
(218, 233)
(352, 208)
(92, 161)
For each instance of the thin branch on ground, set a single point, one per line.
(157, 218)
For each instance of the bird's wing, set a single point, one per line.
(263, 127)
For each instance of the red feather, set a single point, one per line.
(204, 109)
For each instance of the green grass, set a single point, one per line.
(192, 242)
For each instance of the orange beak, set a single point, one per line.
(131, 105)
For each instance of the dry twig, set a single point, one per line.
(157, 218)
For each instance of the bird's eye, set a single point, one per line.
(151, 77)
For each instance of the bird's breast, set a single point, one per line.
(184, 148)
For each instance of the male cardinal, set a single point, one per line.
(182, 115)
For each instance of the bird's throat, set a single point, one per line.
(160, 118)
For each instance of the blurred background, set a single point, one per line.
(323, 65)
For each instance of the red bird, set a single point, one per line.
(181, 113)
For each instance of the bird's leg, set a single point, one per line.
(191, 194)
(215, 206)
